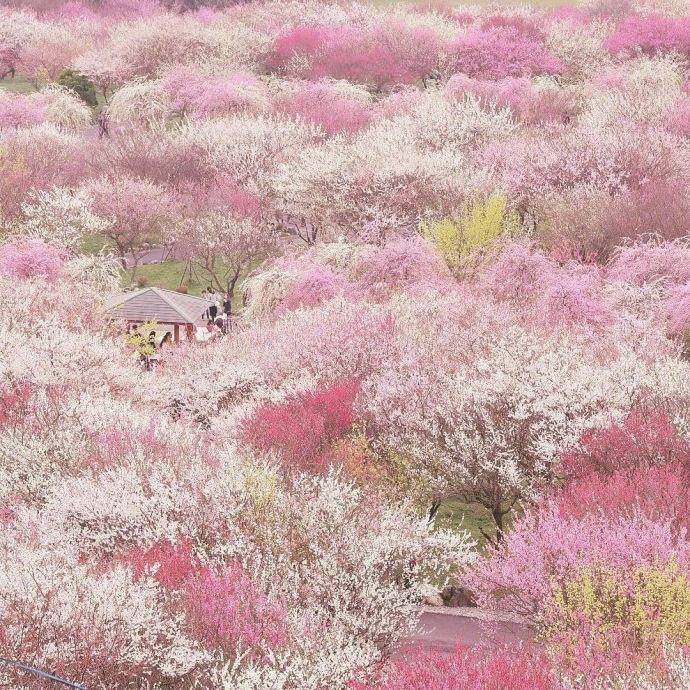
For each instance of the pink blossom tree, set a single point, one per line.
(135, 210)
(27, 258)
(331, 110)
(649, 35)
(496, 52)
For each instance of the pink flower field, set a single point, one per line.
(310, 310)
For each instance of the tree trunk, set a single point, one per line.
(435, 505)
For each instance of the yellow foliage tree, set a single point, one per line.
(464, 241)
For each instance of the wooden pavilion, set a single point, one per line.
(164, 306)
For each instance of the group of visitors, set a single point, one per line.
(218, 312)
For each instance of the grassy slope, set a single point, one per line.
(20, 84)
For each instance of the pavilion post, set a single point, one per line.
(177, 333)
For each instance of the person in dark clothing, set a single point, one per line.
(104, 123)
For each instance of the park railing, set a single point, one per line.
(41, 674)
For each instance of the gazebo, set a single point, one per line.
(164, 306)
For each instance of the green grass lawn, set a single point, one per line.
(92, 244)
(170, 274)
(456, 515)
(25, 84)
(19, 84)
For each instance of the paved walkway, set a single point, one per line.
(445, 628)
(155, 255)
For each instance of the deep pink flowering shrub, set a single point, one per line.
(646, 438)
(497, 52)
(301, 429)
(476, 669)
(662, 492)
(226, 611)
(26, 258)
(650, 34)
(14, 404)
(171, 564)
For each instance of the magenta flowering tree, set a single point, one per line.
(496, 52)
(25, 258)
(20, 111)
(466, 669)
(650, 34)
(379, 56)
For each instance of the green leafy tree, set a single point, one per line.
(78, 83)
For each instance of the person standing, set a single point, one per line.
(104, 123)
(206, 294)
(227, 310)
(213, 309)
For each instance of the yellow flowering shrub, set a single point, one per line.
(643, 608)
(464, 240)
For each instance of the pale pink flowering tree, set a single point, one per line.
(220, 231)
(678, 308)
(651, 261)
(545, 549)
(135, 211)
(678, 119)
(313, 285)
(400, 266)
(326, 107)
(531, 104)
(35, 158)
(551, 293)
(206, 95)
